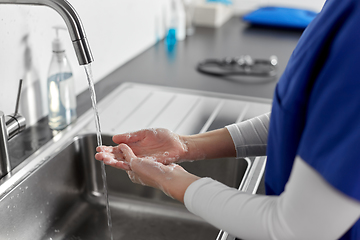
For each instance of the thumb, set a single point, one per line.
(127, 152)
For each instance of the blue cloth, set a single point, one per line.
(280, 17)
(316, 107)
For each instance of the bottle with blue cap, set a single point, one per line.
(60, 86)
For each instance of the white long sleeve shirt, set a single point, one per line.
(309, 208)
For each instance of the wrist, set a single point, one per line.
(193, 148)
(177, 182)
(209, 145)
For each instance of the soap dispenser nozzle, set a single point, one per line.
(57, 45)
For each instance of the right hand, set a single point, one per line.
(160, 144)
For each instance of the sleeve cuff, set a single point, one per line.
(192, 189)
(236, 137)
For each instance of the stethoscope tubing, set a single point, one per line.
(239, 66)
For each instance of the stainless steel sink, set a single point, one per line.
(57, 192)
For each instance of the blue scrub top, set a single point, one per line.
(316, 107)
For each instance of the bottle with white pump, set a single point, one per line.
(60, 86)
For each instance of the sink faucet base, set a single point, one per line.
(5, 166)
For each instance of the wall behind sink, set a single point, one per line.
(117, 31)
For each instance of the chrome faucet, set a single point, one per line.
(72, 21)
(9, 126)
(13, 124)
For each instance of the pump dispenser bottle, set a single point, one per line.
(60, 85)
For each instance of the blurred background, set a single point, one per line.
(117, 30)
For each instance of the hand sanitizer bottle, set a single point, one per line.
(60, 85)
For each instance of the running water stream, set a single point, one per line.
(99, 142)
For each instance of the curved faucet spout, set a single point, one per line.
(72, 20)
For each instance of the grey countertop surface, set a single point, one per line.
(159, 66)
(177, 68)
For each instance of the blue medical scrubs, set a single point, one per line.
(316, 107)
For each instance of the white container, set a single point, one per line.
(181, 20)
(61, 91)
(212, 14)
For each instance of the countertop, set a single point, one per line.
(177, 68)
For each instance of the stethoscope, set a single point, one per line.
(243, 66)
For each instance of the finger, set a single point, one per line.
(99, 156)
(114, 152)
(104, 149)
(105, 157)
(128, 137)
(108, 159)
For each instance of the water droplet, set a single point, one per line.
(47, 203)
(26, 187)
(40, 212)
(8, 206)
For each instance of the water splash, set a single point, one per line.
(99, 142)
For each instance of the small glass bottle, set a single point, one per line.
(61, 91)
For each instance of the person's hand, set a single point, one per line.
(161, 144)
(172, 179)
(112, 156)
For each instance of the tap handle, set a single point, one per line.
(15, 123)
(18, 97)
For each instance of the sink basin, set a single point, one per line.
(70, 205)
(57, 192)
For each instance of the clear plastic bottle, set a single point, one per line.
(177, 23)
(61, 91)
